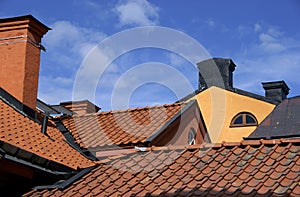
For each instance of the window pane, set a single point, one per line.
(191, 136)
(250, 120)
(238, 120)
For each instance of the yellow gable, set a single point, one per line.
(219, 107)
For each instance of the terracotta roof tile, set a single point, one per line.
(119, 127)
(188, 174)
(22, 132)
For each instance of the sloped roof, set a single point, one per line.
(19, 130)
(282, 121)
(119, 127)
(249, 168)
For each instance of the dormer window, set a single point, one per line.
(192, 137)
(243, 119)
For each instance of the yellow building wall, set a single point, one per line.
(219, 107)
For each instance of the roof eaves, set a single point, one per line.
(15, 154)
(62, 184)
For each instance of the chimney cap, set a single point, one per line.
(216, 72)
(221, 61)
(275, 85)
(23, 17)
(32, 22)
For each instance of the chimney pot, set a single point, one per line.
(276, 90)
(216, 72)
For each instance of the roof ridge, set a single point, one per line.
(294, 97)
(205, 146)
(132, 109)
(227, 144)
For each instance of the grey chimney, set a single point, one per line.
(216, 72)
(276, 90)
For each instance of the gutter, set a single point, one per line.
(45, 123)
(18, 155)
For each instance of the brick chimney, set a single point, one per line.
(276, 90)
(81, 107)
(216, 72)
(20, 45)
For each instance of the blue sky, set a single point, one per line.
(261, 37)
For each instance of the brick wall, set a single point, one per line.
(20, 39)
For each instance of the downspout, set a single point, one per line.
(45, 123)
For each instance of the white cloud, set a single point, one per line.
(266, 38)
(272, 41)
(55, 96)
(274, 56)
(212, 25)
(151, 72)
(54, 89)
(257, 27)
(210, 22)
(137, 12)
(66, 35)
(176, 60)
(268, 68)
(67, 45)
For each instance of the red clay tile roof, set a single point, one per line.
(119, 127)
(249, 168)
(24, 133)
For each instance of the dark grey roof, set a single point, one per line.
(52, 109)
(282, 122)
(45, 107)
(62, 109)
(255, 96)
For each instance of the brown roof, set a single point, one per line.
(22, 132)
(249, 168)
(119, 127)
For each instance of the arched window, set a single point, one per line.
(192, 137)
(243, 119)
